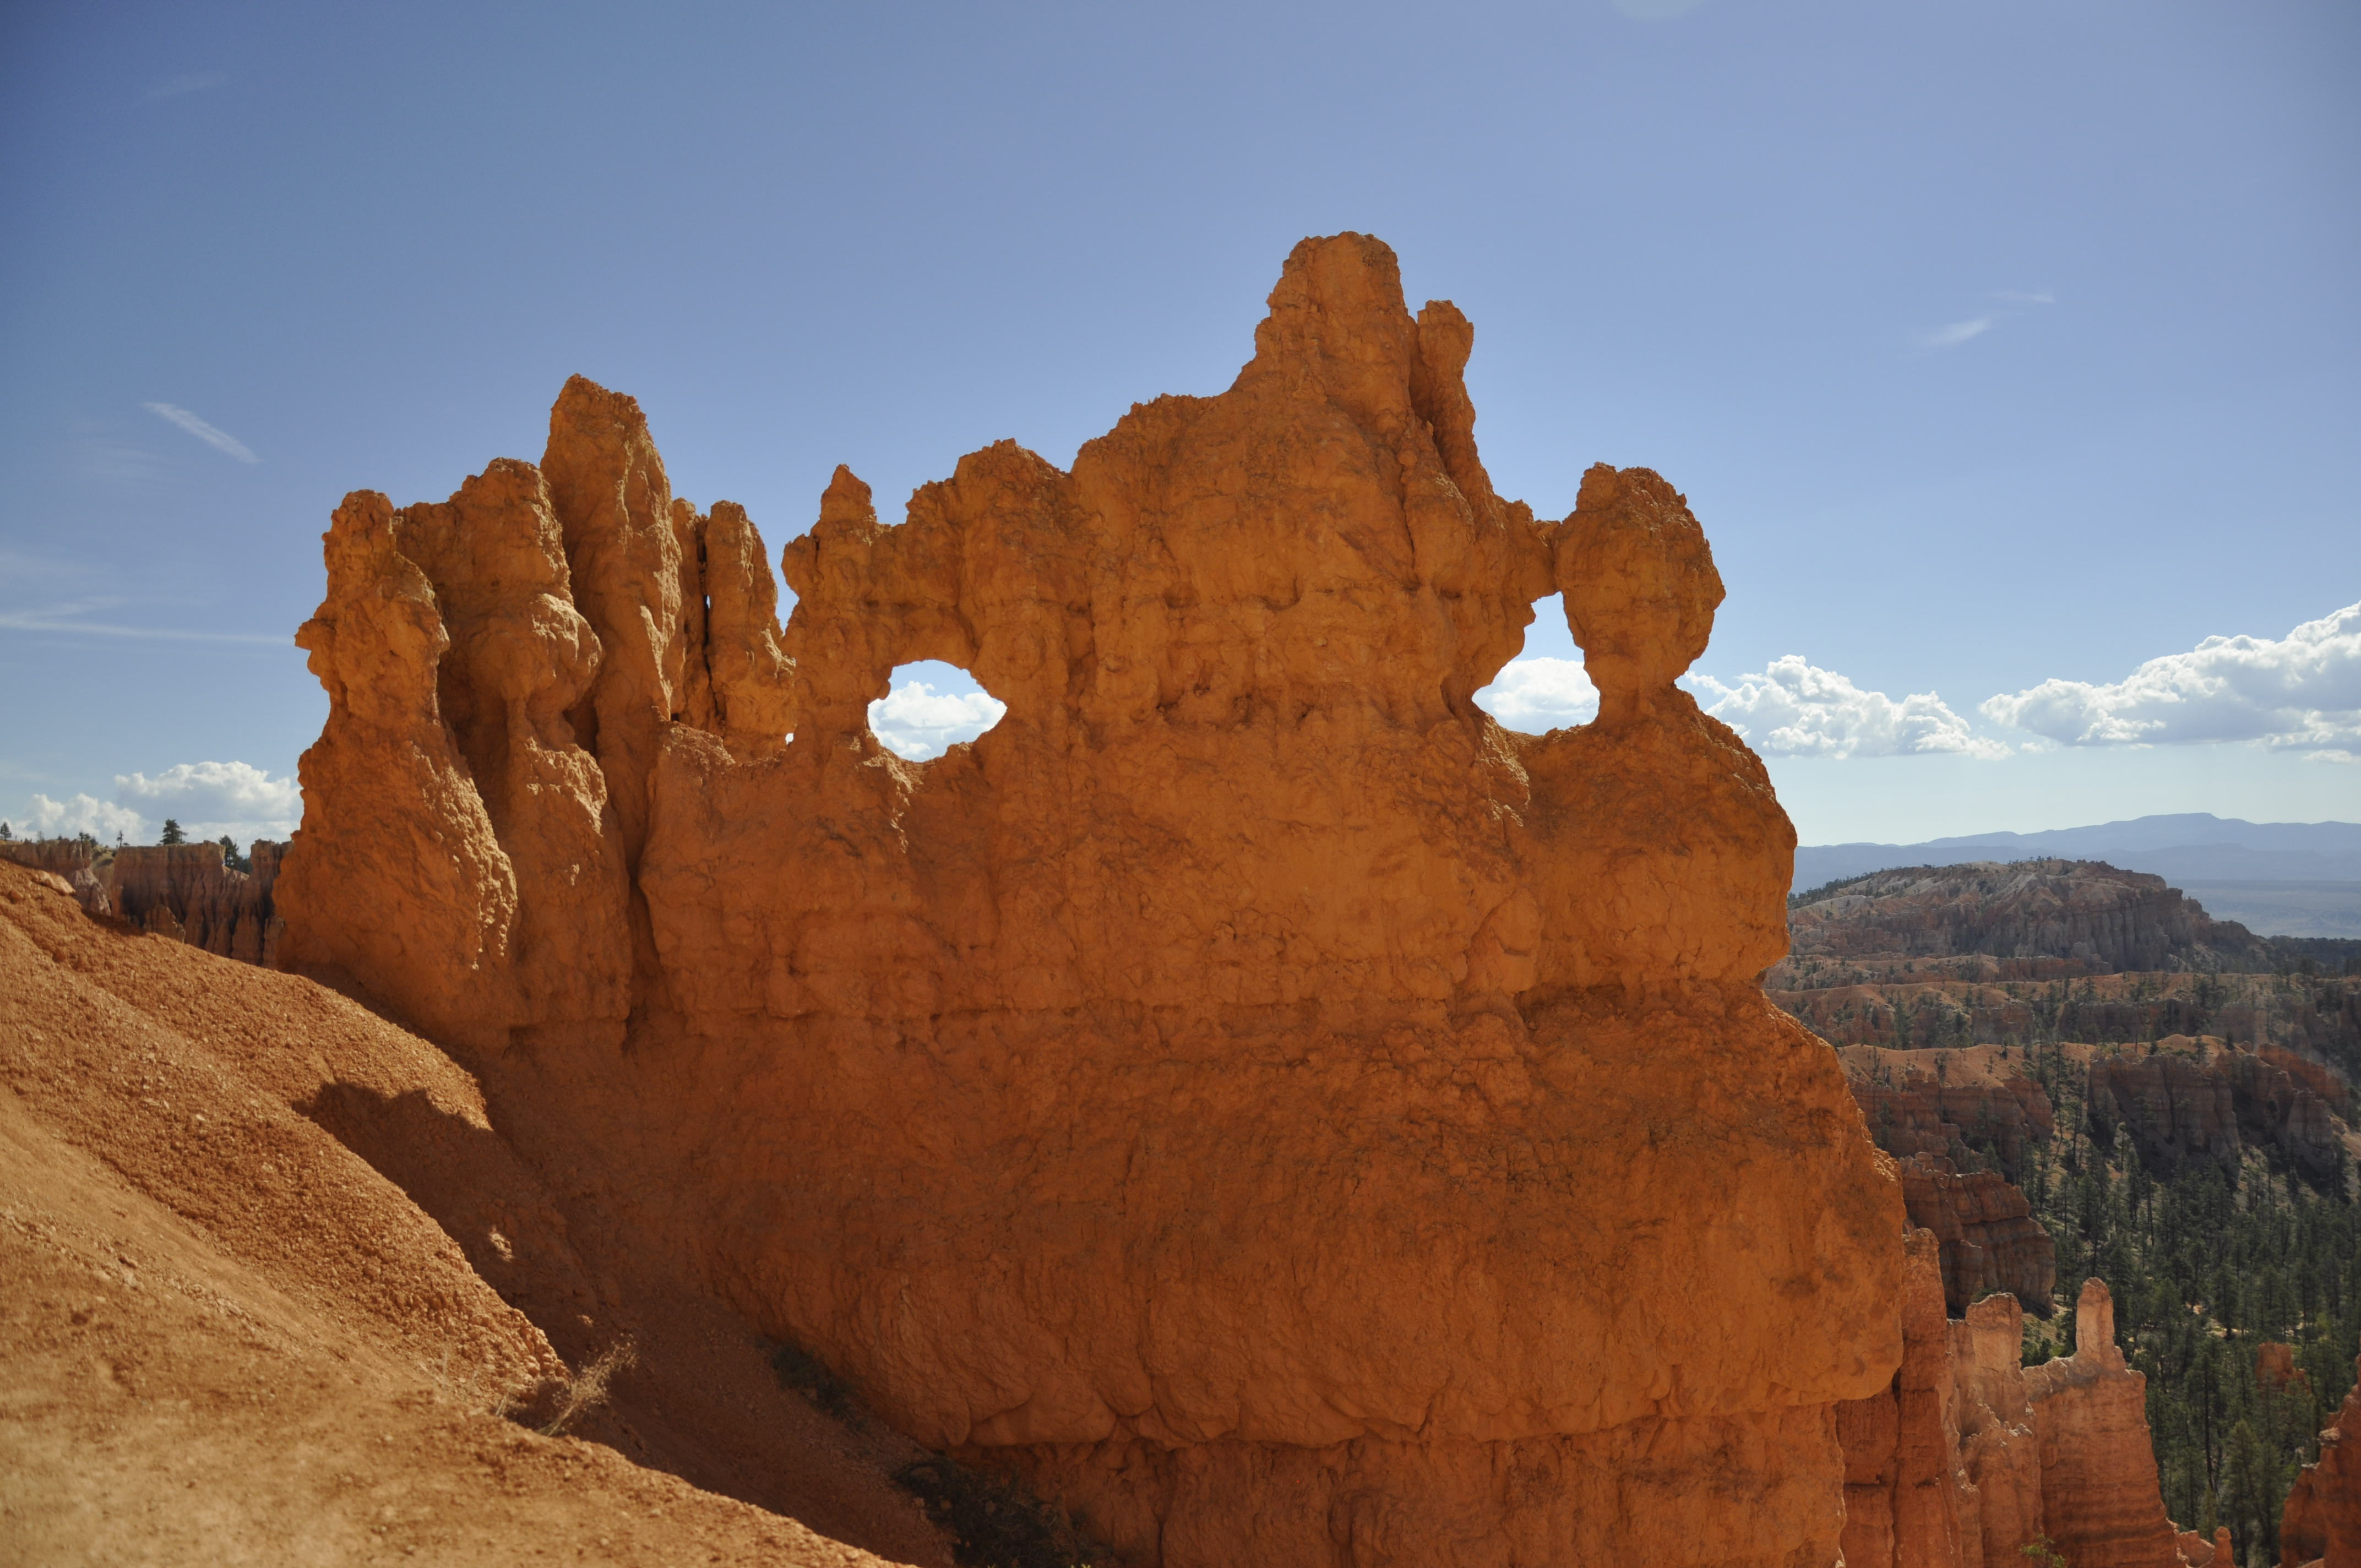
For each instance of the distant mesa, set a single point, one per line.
(2291, 878)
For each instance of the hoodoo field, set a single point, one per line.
(1246, 1110)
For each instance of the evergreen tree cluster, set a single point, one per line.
(2207, 1264)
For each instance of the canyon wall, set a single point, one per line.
(1248, 1093)
(1988, 1237)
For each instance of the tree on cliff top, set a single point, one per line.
(172, 834)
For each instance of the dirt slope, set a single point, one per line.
(230, 1334)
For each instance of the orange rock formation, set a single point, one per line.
(2321, 1523)
(1970, 1457)
(1249, 1093)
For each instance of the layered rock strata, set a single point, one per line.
(1248, 1091)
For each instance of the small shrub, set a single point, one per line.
(2040, 1553)
(588, 1388)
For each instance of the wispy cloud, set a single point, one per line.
(68, 617)
(218, 439)
(187, 82)
(1956, 334)
(2017, 297)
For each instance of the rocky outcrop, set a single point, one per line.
(2322, 1521)
(2186, 1101)
(1248, 1091)
(188, 893)
(2173, 1102)
(1951, 1103)
(2294, 1106)
(1969, 1458)
(2100, 1506)
(2082, 912)
(1988, 1237)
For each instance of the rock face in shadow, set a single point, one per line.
(1989, 1239)
(1949, 1102)
(2184, 1102)
(1247, 1092)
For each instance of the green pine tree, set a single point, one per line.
(173, 833)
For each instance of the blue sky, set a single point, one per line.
(2008, 351)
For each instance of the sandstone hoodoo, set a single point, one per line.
(1248, 1093)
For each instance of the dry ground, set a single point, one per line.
(268, 1271)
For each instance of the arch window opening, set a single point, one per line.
(931, 707)
(1544, 688)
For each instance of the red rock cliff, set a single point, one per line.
(1248, 1091)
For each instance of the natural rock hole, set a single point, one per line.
(931, 707)
(1544, 687)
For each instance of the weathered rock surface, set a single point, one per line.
(1247, 1091)
(2322, 1522)
(1989, 1239)
(2082, 912)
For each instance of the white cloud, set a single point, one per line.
(1801, 711)
(1956, 334)
(64, 818)
(2302, 691)
(213, 798)
(916, 721)
(1537, 695)
(2017, 297)
(218, 439)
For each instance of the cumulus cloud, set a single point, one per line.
(1798, 709)
(1537, 695)
(2300, 692)
(64, 818)
(213, 798)
(218, 439)
(917, 720)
